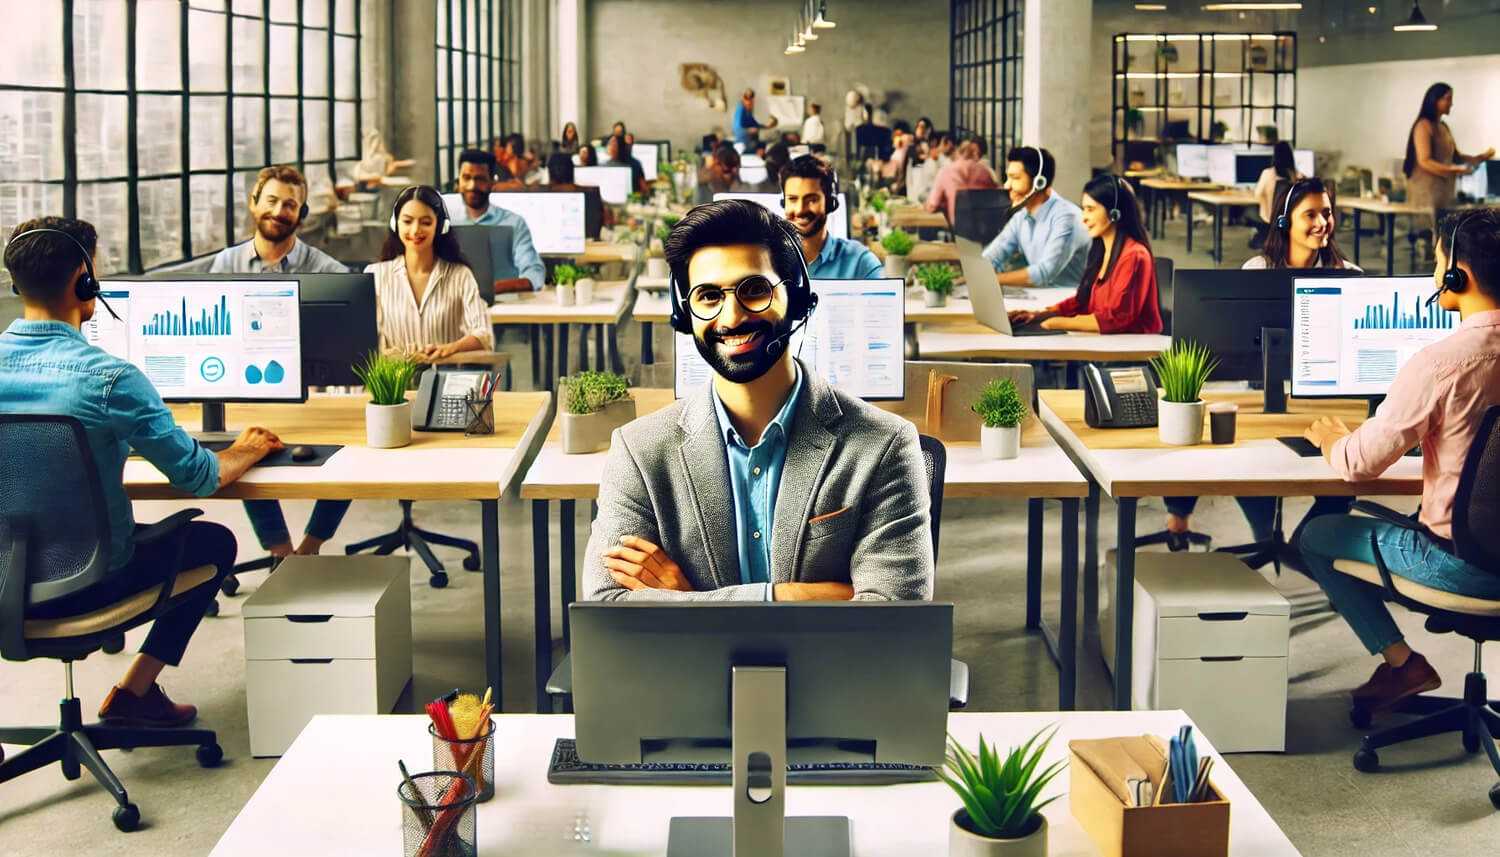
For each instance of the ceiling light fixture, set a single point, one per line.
(1252, 7)
(1416, 22)
(822, 22)
(1151, 7)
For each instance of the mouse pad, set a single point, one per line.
(283, 458)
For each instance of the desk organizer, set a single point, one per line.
(481, 416)
(1168, 830)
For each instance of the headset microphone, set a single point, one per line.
(1039, 182)
(1454, 278)
(779, 344)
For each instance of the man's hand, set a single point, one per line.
(814, 592)
(434, 352)
(258, 442)
(1325, 431)
(638, 564)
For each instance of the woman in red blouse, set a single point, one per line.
(1118, 292)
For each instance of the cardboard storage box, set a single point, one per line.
(1168, 830)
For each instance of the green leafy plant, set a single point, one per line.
(1182, 370)
(1218, 130)
(936, 277)
(385, 377)
(1269, 134)
(636, 198)
(1135, 119)
(662, 231)
(566, 275)
(1000, 793)
(897, 243)
(1000, 404)
(589, 392)
(878, 201)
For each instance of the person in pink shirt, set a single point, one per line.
(964, 172)
(1437, 400)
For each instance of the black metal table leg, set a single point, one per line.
(562, 351)
(1033, 564)
(1189, 212)
(648, 348)
(1390, 245)
(1356, 236)
(489, 540)
(1091, 556)
(541, 606)
(1124, 598)
(567, 564)
(1067, 680)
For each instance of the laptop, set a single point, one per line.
(987, 295)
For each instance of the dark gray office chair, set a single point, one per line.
(979, 215)
(54, 537)
(1166, 271)
(1476, 540)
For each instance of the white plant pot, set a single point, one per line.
(387, 426)
(933, 299)
(656, 268)
(584, 289)
(896, 266)
(1181, 423)
(999, 441)
(963, 843)
(586, 433)
(882, 221)
(565, 296)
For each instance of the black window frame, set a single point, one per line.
(986, 72)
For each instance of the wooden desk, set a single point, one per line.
(361, 815)
(1129, 464)
(1217, 201)
(968, 342)
(924, 251)
(600, 252)
(1158, 193)
(436, 466)
(1041, 472)
(604, 312)
(917, 217)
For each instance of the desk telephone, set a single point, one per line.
(440, 404)
(1123, 397)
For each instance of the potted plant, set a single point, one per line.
(1001, 814)
(897, 246)
(594, 405)
(1168, 52)
(565, 277)
(1182, 369)
(583, 286)
(388, 413)
(937, 283)
(1218, 130)
(882, 209)
(1001, 408)
(1269, 134)
(656, 260)
(1135, 121)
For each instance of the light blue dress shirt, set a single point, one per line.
(843, 259)
(303, 258)
(523, 255)
(754, 479)
(1054, 241)
(47, 367)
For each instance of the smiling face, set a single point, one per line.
(734, 343)
(417, 224)
(1017, 182)
(474, 184)
(1096, 217)
(1312, 223)
(275, 210)
(806, 207)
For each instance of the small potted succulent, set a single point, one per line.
(882, 209)
(656, 260)
(1135, 121)
(898, 247)
(937, 282)
(1001, 408)
(565, 277)
(388, 413)
(594, 405)
(1182, 370)
(1002, 813)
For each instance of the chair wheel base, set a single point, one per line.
(127, 817)
(209, 755)
(230, 585)
(471, 563)
(213, 608)
(1367, 760)
(438, 580)
(1495, 795)
(1471, 742)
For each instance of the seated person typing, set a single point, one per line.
(476, 178)
(47, 367)
(1048, 230)
(767, 484)
(1437, 399)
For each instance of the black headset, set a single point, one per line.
(1284, 219)
(301, 212)
(1454, 279)
(1114, 208)
(832, 195)
(86, 287)
(435, 202)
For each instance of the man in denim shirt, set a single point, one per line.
(46, 367)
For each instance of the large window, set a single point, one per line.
(150, 118)
(986, 63)
(478, 77)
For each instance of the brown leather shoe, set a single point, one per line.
(152, 711)
(1389, 685)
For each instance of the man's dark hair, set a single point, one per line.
(480, 157)
(560, 168)
(730, 222)
(900, 125)
(778, 155)
(978, 142)
(725, 153)
(1026, 156)
(516, 144)
(45, 265)
(1478, 246)
(809, 167)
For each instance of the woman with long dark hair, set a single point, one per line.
(1306, 239)
(427, 302)
(1281, 172)
(569, 142)
(1433, 162)
(1118, 293)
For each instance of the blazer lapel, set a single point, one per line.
(705, 469)
(809, 448)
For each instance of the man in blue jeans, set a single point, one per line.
(1437, 399)
(46, 367)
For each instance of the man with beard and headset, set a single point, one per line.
(278, 205)
(767, 484)
(809, 193)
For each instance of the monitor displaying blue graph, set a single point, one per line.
(217, 341)
(1351, 336)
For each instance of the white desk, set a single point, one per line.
(334, 793)
(611, 302)
(967, 342)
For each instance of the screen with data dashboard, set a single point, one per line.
(1352, 335)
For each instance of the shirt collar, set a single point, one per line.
(1488, 318)
(831, 250)
(1041, 210)
(282, 266)
(22, 327)
(781, 422)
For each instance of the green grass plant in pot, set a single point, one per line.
(1002, 409)
(1182, 371)
(388, 413)
(898, 246)
(1001, 794)
(594, 404)
(937, 282)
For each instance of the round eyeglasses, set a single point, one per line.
(754, 293)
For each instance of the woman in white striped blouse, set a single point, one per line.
(427, 301)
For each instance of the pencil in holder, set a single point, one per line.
(437, 815)
(481, 416)
(475, 757)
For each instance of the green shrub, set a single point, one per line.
(936, 277)
(1000, 794)
(897, 243)
(386, 378)
(566, 275)
(1182, 370)
(589, 392)
(999, 404)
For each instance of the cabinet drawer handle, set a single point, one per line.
(309, 617)
(1226, 616)
(312, 660)
(1219, 658)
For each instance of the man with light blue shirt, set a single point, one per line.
(278, 205)
(476, 177)
(1048, 231)
(809, 193)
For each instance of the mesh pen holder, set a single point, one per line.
(438, 819)
(481, 416)
(475, 757)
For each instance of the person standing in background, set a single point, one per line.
(569, 143)
(812, 126)
(1281, 172)
(1433, 162)
(746, 126)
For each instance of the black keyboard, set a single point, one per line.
(567, 769)
(1033, 330)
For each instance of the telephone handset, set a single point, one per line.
(1123, 397)
(441, 394)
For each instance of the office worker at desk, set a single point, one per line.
(964, 172)
(809, 193)
(278, 205)
(1118, 292)
(476, 178)
(1437, 399)
(620, 155)
(46, 367)
(767, 484)
(1048, 230)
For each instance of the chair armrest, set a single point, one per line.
(152, 533)
(1388, 515)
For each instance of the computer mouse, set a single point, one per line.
(303, 453)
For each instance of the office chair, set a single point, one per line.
(1476, 541)
(54, 537)
(979, 215)
(412, 537)
(1166, 272)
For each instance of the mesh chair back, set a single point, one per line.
(935, 456)
(1165, 270)
(1476, 504)
(979, 215)
(50, 495)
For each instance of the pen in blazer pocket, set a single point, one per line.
(829, 515)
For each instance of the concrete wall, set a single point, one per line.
(633, 49)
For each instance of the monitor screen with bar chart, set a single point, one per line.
(1351, 336)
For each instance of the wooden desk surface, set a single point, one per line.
(599, 252)
(1380, 206)
(968, 341)
(1224, 197)
(437, 465)
(924, 251)
(917, 217)
(607, 307)
(1188, 185)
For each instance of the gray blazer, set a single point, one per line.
(852, 505)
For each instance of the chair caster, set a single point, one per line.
(1495, 795)
(230, 585)
(438, 580)
(114, 645)
(471, 563)
(1366, 760)
(209, 755)
(213, 608)
(127, 817)
(1360, 717)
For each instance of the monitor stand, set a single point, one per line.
(759, 827)
(213, 425)
(1275, 359)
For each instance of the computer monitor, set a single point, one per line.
(1222, 158)
(488, 249)
(663, 148)
(1249, 165)
(557, 219)
(838, 222)
(761, 686)
(1192, 161)
(853, 340)
(1349, 338)
(647, 155)
(753, 169)
(614, 183)
(1141, 152)
(1306, 161)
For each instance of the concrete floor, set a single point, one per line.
(1429, 799)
